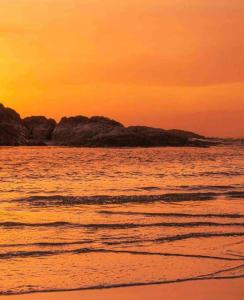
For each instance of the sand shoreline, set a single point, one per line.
(225, 289)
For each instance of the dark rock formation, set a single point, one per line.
(12, 131)
(88, 132)
(82, 131)
(39, 129)
(185, 134)
(133, 136)
(103, 132)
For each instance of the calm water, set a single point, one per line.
(75, 218)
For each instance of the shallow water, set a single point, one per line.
(74, 218)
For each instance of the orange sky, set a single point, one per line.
(166, 63)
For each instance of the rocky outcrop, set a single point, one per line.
(39, 129)
(12, 131)
(185, 134)
(88, 132)
(82, 131)
(136, 136)
(104, 132)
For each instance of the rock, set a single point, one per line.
(39, 130)
(104, 132)
(12, 131)
(88, 132)
(185, 134)
(82, 131)
(138, 136)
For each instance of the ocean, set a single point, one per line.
(85, 218)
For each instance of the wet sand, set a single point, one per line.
(197, 290)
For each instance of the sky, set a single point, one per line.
(161, 63)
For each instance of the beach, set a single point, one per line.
(197, 290)
(99, 219)
(122, 150)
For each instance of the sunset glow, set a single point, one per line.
(121, 149)
(163, 63)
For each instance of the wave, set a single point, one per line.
(47, 244)
(199, 235)
(118, 199)
(117, 225)
(165, 239)
(183, 215)
(179, 237)
(40, 253)
(220, 173)
(235, 194)
(149, 188)
(103, 199)
(120, 285)
(20, 224)
(206, 187)
(224, 271)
